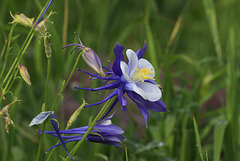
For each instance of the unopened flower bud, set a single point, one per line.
(24, 73)
(22, 19)
(91, 58)
(76, 114)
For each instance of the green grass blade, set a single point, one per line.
(198, 139)
(212, 21)
(150, 39)
(232, 131)
(219, 130)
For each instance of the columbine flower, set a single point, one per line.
(136, 78)
(104, 132)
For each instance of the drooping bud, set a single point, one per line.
(92, 59)
(22, 19)
(76, 114)
(24, 73)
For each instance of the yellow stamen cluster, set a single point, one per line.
(141, 74)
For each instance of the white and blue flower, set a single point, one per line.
(135, 78)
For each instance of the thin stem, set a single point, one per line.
(126, 153)
(55, 102)
(41, 140)
(46, 96)
(65, 23)
(14, 78)
(47, 81)
(91, 126)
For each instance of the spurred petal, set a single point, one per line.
(118, 58)
(148, 91)
(124, 68)
(139, 91)
(132, 62)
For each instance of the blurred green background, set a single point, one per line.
(194, 47)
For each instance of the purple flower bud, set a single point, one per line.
(91, 58)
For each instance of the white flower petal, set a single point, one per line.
(143, 63)
(40, 118)
(106, 122)
(132, 61)
(139, 91)
(124, 69)
(150, 91)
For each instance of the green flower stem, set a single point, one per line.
(41, 140)
(91, 126)
(46, 95)
(55, 102)
(47, 81)
(126, 153)
(14, 78)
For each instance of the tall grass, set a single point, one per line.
(194, 47)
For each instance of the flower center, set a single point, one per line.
(142, 74)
